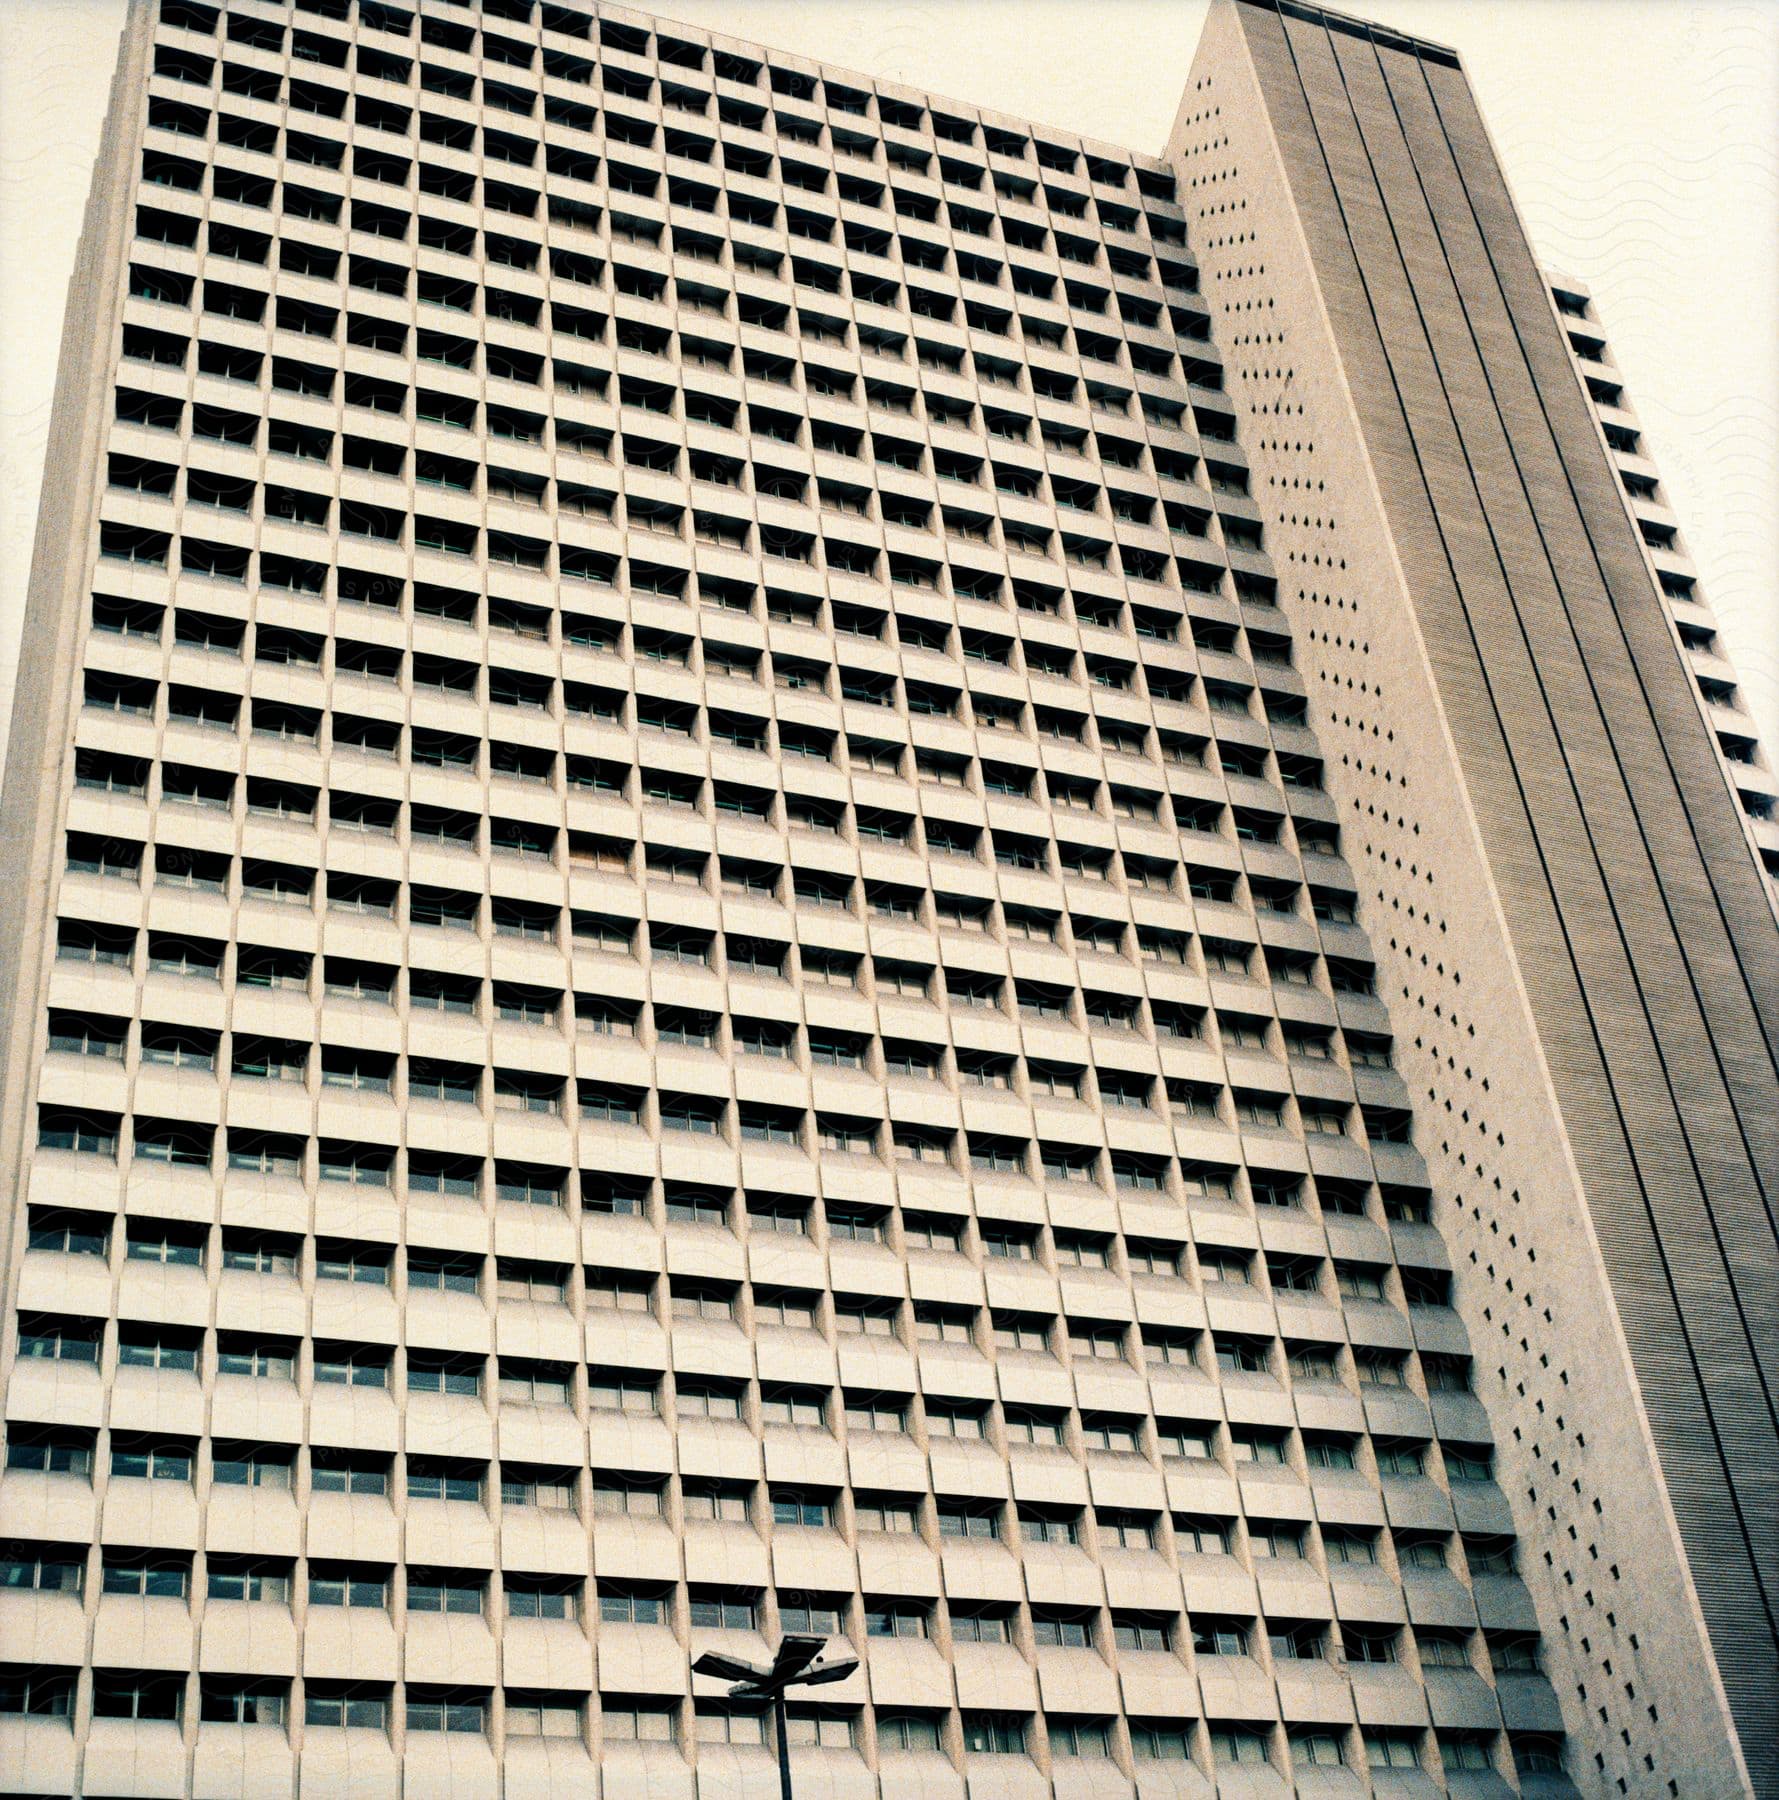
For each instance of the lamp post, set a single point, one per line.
(794, 1665)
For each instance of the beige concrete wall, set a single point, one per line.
(1440, 879)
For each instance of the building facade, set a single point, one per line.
(1747, 764)
(1578, 945)
(764, 883)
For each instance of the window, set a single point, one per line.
(138, 1347)
(545, 1384)
(1392, 1750)
(431, 1591)
(887, 1513)
(1360, 1281)
(699, 1399)
(441, 1478)
(722, 1502)
(347, 1262)
(969, 1519)
(1200, 1535)
(443, 1273)
(1414, 1551)
(338, 1584)
(1242, 1355)
(1109, 1431)
(866, 1318)
(1317, 1749)
(1349, 1544)
(42, 1574)
(1442, 1650)
(45, 1339)
(451, 1711)
(1160, 1741)
(717, 1609)
(1008, 1241)
(901, 1057)
(785, 1405)
(1393, 1458)
(930, 1231)
(913, 1145)
(625, 1719)
(153, 1577)
(1142, 1631)
(1223, 1266)
(994, 1734)
(351, 1365)
(1219, 1637)
(1189, 1439)
(814, 1618)
(881, 1412)
(907, 1731)
(1020, 1331)
(1462, 1753)
(1369, 1643)
(789, 1307)
(693, 1206)
(121, 1695)
(542, 1715)
(935, 1324)
(263, 1361)
(904, 1619)
(619, 1605)
(716, 1723)
(1537, 1755)
(1250, 1444)
(346, 1472)
(1238, 1744)
(1514, 1653)
(37, 1693)
(702, 1300)
(552, 1490)
(854, 1225)
(337, 1704)
(616, 1495)
(1078, 1737)
(1329, 1450)
(980, 1625)
(1468, 1462)
(954, 1419)
(47, 1450)
(1049, 1525)
(1275, 1540)
(822, 1728)
(1078, 1251)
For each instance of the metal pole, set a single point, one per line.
(784, 1746)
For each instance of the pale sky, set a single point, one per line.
(1641, 139)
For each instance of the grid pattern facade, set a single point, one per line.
(698, 982)
(1677, 578)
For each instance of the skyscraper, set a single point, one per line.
(789, 859)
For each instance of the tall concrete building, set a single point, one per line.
(789, 859)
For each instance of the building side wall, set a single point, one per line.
(48, 665)
(1747, 766)
(1480, 738)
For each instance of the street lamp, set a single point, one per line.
(795, 1665)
